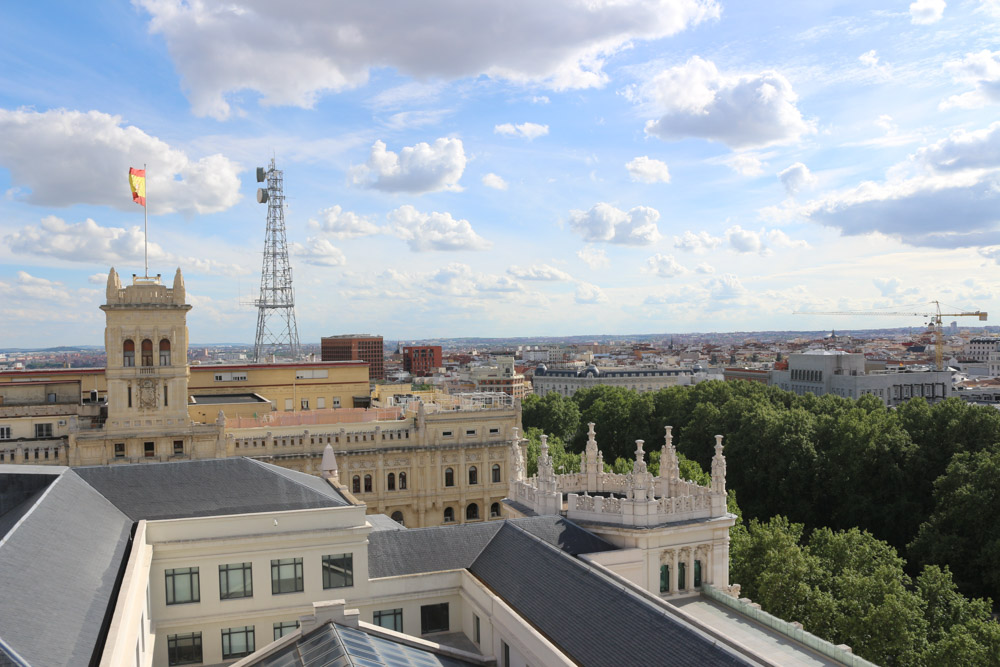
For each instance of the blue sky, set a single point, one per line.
(502, 169)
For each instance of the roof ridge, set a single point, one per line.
(34, 506)
(267, 466)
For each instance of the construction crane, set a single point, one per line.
(935, 322)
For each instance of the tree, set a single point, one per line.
(562, 461)
(554, 414)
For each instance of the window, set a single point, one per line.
(697, 573)
(166, 395)
(505, 650)
(43, 430)
(496, 473)
(475, 628)
(389, 618)
(447, 434)
(680, 575)
(402, 481)
(128, 353)
(338, 571)
(449, 477)
(472, 512)
(282, 628)
(304, 404)
(184, 649)
(50, 398)
(434, 618)
(494, 510)
(149, 449)
(368, 483)
(470, 431)
(4, 432)
(356, 484)
(449, 515)
(664, 578)
(397, 516)
(130, 396)
(391, 482)
(494, 431)
(320, 402)
(286, 575)
(147, 352)
(288, 404)
(164, 352)
(473, 475)
(235, 581)
(237, 642)
(183, 585)
(119, 450)
(178, 447)
(336, 402)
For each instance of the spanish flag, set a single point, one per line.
(137, 181)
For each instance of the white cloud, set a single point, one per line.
(417, 169)
(963, 150)
(434, 231)
(991, 7)
(604, 222)
(97, 279)
(664, 266)
(62, 158)
(726, 287)
(527, 131)
(745, 164)
(925, 12)
(342, 224)
(870, 59)
(318, 252)
(705, 267)
(892, 287)
(460, 280)
(744, 240)
(981, 71)
(699, 243)
(588, 293)
(291, 57)
(538, 272)
(647, 170)
(491, 180)
(739, 110)
(540, 99)
(795, 177)
(595, 258)
(780, 239)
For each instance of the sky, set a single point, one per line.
(514, 168)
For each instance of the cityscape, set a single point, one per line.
(646, 332)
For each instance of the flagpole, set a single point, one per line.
(145, 221)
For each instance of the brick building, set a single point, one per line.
(355, 347)
(421, 359)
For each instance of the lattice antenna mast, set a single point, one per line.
(277, 331)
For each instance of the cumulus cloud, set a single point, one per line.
(726, 287)
(434, 231)
(342, 224)
(870, 60)
(62, 158)
(780, 239)
(744, 240)
(595, 258)
(292, 57)
(318, 252)
(740, 110)
(527, 131)
(588, 293)
(493, 181)
(92, 243)
(705, 267)
(417, 169)
(31, 299)
(699, 243)
(981, 71)
(795, 177)
(925, 12)
(893, 287)
(963, 150)
(664, 266)
(458, 279)
(604, 222)
(745, 164)
(538, 272)
(647, 170)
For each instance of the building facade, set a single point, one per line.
(421, 360)
(980, 348)
(499, 378)
(569, 381)
(355, 347)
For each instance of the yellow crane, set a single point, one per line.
(935, 322)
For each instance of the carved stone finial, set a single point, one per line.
(639, 454)
(221, 419)
(328, 465)
(180, 294)
(114, 285)
(718, 468)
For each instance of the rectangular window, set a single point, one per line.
(494, 431)
(183, 585)
(470, 431)
(506, 653)
(447, 434)
(320, 402)
(288, 404)
(434, 618)
(178, 447)
(389, 618)
(184, 649)
(304, 404)
(235, 581)
(338, 571)
(282, 628)
(149, 449)
(43, 430)
(50, 398)
(336, 402)
(286, 575)
(130, 396)
(119, 450)
(4, 432)
(475, 628)
(166, 397)
(237, 642)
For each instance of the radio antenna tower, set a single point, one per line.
(276, 328)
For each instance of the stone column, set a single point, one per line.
(689, 569)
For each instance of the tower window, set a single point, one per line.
(164, 352)
(147, 352)
(128, 353)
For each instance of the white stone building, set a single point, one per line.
(640, 378)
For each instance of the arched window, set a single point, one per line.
(449, 477)
(128, 353)
(356, 485)
(449, 515)
(164, 352)
(390, 484)
(496, 473)
(368, 483)
(494, 510)
(697, 573)
(664, 578)
(680, 576)
(402, 481)
(398, 517)
(473, 475)
(472, 512)
(147, 352)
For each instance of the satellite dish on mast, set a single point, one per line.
(261, 196)
(261, 174)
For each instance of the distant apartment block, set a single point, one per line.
(355, 347)
(421, 359)
(569, 381)
(981, 347)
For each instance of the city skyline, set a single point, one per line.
(504, 170)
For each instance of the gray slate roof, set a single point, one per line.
(207, 488)
(590, 617)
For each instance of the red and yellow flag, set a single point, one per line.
(137, 181)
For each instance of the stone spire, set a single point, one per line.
(593, 459)
(180, 294)
(328, 466)
(517, 462)
(718, 468)
(669, 466)
(546, 475)
(114, 285)
(639, 483)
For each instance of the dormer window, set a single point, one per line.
(147, 352)
(128, 353)
(164, 352)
